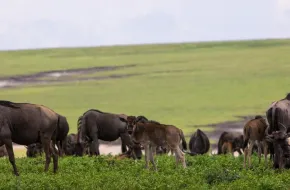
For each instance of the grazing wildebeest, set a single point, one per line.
(61, 133)
(254, 131)
(34, 149)
(96, 125)
(24, 124)
(198, 143)
(69, 144)
(152, 134)
(3, 151)
(229, 142)
(281, 147)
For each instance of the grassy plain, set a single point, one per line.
(181, 84)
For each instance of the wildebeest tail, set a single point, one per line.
(184, 144)
(247, 132)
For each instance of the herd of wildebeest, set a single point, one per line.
(41, 129)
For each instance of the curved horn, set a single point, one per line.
(284, 129)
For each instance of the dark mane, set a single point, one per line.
(142, 119)
(8, 104)
(152, 121)
(258, 117)
(94, 110)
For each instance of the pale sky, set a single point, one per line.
(29, 24)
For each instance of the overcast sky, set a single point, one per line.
(26, 24)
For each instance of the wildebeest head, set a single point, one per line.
(34, 150)
(137, 133)
(131, 121)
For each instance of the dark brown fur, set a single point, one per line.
(152, 134)
(229, 142)
(254, 130)
(41, 128)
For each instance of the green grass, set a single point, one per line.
(208, 82)
(104, 172)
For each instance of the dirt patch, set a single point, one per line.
(54, 76)
(58, 77)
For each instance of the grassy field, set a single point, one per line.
(181, 84)
(105, 172)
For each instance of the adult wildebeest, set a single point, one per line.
(152, 134)
(254, 131)
(3, 151)
(278, 114)
(198, 143)
(96, 125)
(24, 124)
(281, 147)
(61, 133)
(229, 142)
(34, 150)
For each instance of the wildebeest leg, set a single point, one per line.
(250, 150)
(54, 155)
(123, 147)
(9, 148)
(95, 145)
(179, 156)
(265, 146)
(126, 139)
(46, 147)
(259, 151)
(152, 147)
(58, 144)
(147, 149)
(245, 156)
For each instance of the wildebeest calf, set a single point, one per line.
(229, 142)
(152, 134)
(254, 130)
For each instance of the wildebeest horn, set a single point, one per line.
(284, 129)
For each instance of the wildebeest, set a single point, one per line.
(198, 143)
(278, 114)
(281, 147)
(254, 131)
(24, 124)
(34, 149)
(229, 142)
(152, 134)
(3, 151)
(96, 125)
(61, 133)
(159, 149)
(69, 144)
